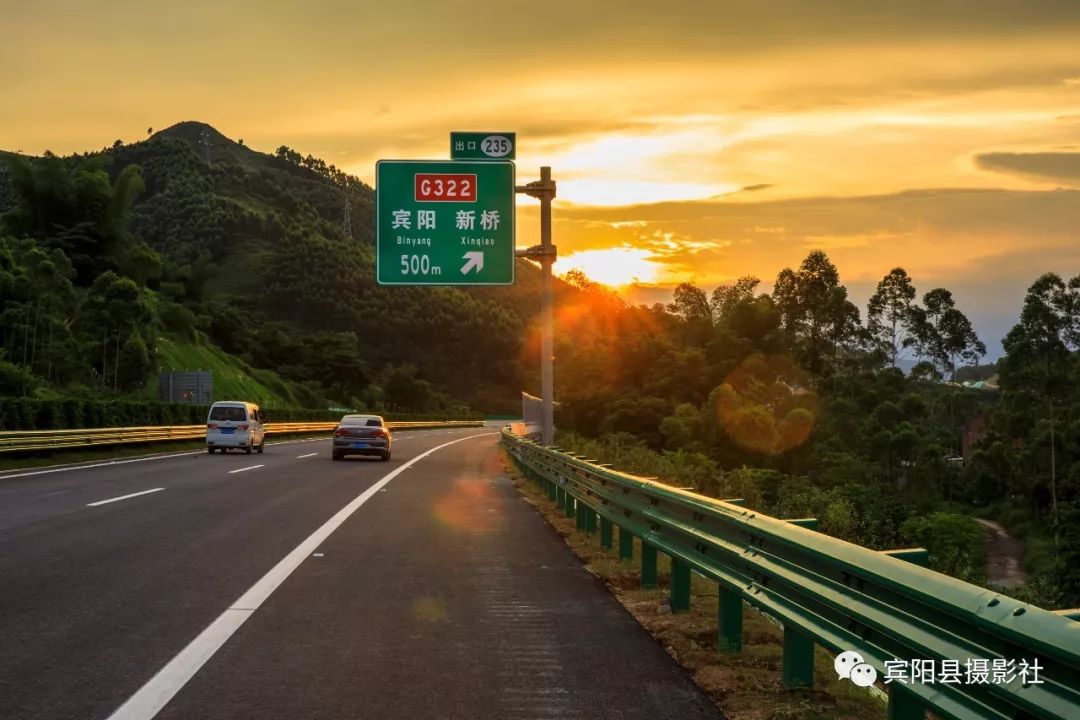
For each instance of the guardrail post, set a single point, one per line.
(648, 565)
(904, 705)
(581, 512)
(680, 586)
(560, 499)
(626, 544)
(590, 520)
(553, 490)
(568, 503)
(605, 532)
(729, 620)
(798, 658)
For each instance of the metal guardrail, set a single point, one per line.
(824, 591)
(30, 440)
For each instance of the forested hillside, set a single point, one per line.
(191, 235)
(792, 400)
(118, 262)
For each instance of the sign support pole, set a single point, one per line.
(544, 253)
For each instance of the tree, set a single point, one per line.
(943, 334)
(726, 297)
(133, 365)
(955, 543)
(889, 317)
(1037, 359)
(77, 209)
(404, 390)
(691, 305)
(816, 315)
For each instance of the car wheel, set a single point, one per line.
(386, 456)
(335, 455)
(247, 450)
(260, 448)
(210, 450)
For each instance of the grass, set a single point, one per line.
(233, 379)
(746, 684)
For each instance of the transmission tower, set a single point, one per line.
(347, 225)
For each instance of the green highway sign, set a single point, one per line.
(483, 145)
(444, 222)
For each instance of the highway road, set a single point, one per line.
(285, 585)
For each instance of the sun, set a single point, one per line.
(615, 267)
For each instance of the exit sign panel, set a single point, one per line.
(441, 222)
(483, 145)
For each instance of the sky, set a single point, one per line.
(691, 141)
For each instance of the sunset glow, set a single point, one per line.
(945, 137)
(615, 267)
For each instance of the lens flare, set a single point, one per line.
(429, 609)
(764, 405)
(470, 504)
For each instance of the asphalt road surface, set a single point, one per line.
(285, 585)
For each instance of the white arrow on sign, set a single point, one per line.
(475, 260)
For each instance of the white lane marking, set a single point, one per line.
(108, 463)
(123, 497)
(245, 469)
(301, 457)
(160, 689)
(141, 458)
(158, 456)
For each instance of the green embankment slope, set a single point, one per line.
(233, 378)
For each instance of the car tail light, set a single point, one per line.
(341, 431)
(380, 433)
(244, 426)
(211, 426)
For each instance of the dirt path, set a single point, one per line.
(1004, 556)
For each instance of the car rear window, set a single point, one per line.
(223, 412)
(362, 422)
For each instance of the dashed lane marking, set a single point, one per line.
(123, 497)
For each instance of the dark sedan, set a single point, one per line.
(362, 435)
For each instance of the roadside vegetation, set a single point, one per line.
(795, 401)
(189, 251)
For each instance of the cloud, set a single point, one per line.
(1060, 167)
(986, 245)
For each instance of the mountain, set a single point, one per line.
(252, 247)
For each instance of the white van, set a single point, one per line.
(235, 425)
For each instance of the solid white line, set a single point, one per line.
(123, 497)
(245, 469)
(160, 456)
(107, 463)
(160, 689)
(141, 458)
(300, 457)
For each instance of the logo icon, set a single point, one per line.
(851, 665)
(845, 661)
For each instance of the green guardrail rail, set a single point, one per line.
(825, 591)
